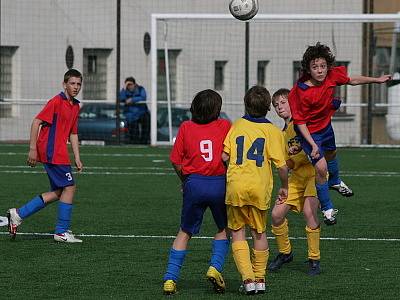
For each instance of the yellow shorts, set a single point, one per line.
(249, 215)
(301, 185)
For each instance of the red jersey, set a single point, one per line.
(198, 147)
(312, 105)
(60, 119)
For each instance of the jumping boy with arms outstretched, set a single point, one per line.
(312, 105)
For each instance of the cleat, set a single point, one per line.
(215, 277)
(248, 287)
(169, 287)
(330, 216)
(281, 259)
(66, 237)
(342, 189)
(260, 286)
(314, 268)
(14, 220)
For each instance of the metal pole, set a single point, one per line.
(371, 51)
(246, 68)
(118, 70)
(394, 47)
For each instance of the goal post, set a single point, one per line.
(191, 52)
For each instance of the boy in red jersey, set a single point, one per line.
(51, 129)
(312, 105)
(196, 158)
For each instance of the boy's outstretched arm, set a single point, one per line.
(32, 155)
(359, 79)
(73, 138)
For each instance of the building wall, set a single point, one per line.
(48, 27)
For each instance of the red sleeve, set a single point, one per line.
(74, 129)
(47, 112)
(339, 75)
(297, 107)
(177, 153)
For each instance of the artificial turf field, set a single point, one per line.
(128, 210)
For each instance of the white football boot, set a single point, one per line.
(66, 237)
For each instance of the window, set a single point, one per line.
(261, 72)
(6, 55)
(219, 75)
(340, 91)
(162, 75)
(95, 73)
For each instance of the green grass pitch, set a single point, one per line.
(128, 210)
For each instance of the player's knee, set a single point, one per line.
(277, 217)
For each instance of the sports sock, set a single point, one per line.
(323, 196)
(241, 255)
(63, 217)
(220, 249)
(31, 207)
(281, 233)
(259, 263)
(175, 262)
(313, 237)
(333, 170)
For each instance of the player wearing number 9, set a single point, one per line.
(252, 145)
(196, 157)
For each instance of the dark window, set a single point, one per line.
(261, 72)
(219, 75)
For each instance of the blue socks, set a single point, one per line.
(220, 249)
(333, 170)
(175, 262)
(31, 207)
(64, 217)
(323, 196)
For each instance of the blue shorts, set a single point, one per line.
(325, 140)
(60, 176)
(200, 192)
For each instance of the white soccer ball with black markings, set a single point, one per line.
(243, 10)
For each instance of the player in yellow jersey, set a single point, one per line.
(252, 145)
(301, 194)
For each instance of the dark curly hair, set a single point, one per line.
(206, 107)
(314, 52)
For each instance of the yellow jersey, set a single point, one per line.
(253, 144)
(299, 157)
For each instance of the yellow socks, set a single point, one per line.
(313, 236)
(241, 255)
(260, 259)
(282, 237)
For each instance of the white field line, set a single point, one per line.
(21, 169)
(133, 236)
(97, 154)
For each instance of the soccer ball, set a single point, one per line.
(243, 9)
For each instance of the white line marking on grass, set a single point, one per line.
(133, 236)
(92, 173)
(100, 154)
(165, 169)
(99, 168)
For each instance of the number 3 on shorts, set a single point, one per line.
(69, 176)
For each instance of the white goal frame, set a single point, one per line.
(283, 18)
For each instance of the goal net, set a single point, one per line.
(192, 52)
